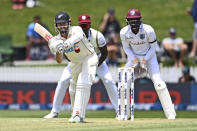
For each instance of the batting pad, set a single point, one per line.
(166, 102)
(81, 100)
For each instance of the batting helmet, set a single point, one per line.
(133, 18)
(133, 14)
(62, 17)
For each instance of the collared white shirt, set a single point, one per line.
(141, 44)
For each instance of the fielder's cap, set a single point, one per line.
(172, 31)
(111, 11)
(84, 19)
(133, 14)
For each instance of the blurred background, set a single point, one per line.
(29, 73)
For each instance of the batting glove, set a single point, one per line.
(56, 45)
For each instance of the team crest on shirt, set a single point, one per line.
(142, 36)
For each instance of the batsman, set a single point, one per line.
(72, 43)
(139, 43)
(98, 42)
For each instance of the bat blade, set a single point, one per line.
(43, 32)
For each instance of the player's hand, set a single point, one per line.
(56, 45)
(58, 57)
(66, 44)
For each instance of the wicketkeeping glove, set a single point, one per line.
(143, 67)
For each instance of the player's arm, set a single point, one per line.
(102, 47)
(58, 57)
(104, 54)
(127, 48)
(153, 44)
(77, 37)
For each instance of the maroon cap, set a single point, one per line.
(84, 19)
(133, 13)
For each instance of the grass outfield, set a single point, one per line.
(11, 120)
(160, 14)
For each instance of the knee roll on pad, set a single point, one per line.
(83, 86)
(160, 85)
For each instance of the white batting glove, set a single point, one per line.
(56, 45)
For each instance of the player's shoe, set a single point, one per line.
(51, 115)
(75, 119)
(171, 117)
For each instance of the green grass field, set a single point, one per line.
(27, 120)
(161, 14)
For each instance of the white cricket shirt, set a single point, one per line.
(97, 39)
(76, 38)
(141, 44)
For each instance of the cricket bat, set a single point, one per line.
(47, 35)
(43, 32)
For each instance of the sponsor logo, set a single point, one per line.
(137, 43)
(59, 16)
(132, 12)
(142, 36)
(71, 49)
(83, 17)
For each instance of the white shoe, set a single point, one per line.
(51, 115)
(171, 117)
(75, 119)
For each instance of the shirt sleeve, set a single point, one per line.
(126, 47)
(153, 44)
(77, 37)
(101, 39)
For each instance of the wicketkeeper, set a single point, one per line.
(139, 43)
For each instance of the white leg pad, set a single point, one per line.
(165, 98)
(81, 100)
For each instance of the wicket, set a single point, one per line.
(125, 93)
